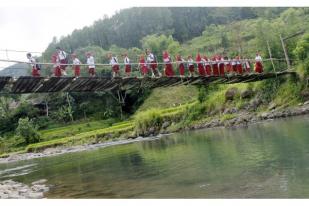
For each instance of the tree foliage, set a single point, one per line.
(27, 130)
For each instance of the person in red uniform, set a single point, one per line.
(207, 65)
(181, 66)
(62, 55)
(91, 64)
(258, 66)
(227, 63)
(238, 65)
(127, 65)
(76, 65)
(143, 66)
(214, 63)
(191, 66)
(168, 64)
(221, 65)
(113, 61)
(56, 64)
(35, 71)
(200, 65)
(246, 65)
(152, 62)
(234, 65)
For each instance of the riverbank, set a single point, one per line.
(10, 189)
(241, 119)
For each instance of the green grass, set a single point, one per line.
(74, 129)
(85, 137)
(161, 98)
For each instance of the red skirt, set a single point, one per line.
(76, 71)
(115, 68)
(215, 69)
(63, 61)
(201, 69)
(191, 68)
(234, 67)
(208, 69)
(182, 69)
(258, 67)
(221, 68)
(127, 68)
(57, 71)
(153, 65)
(229, 68)
(169, 70)
(144, 70)
(239, 68)
(91, 71)
(35, 72)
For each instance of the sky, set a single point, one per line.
(30, 25)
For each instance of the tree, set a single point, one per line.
(27, 130)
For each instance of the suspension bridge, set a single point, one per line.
(28, 84)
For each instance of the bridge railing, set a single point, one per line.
(105, 70)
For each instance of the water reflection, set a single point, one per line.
(269, 160)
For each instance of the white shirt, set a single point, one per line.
(113, 61)
(62, 55)
(190, 62)
(90, 62)
(150, 58)
(32, 61)
(233, 62)
(76, 61)
(258, 58)
(166, 60)
(126, 60)
(181, 61)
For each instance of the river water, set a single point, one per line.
(265, 160)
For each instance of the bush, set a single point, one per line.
(145, 120)
(27, 130)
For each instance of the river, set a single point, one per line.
(265, 160)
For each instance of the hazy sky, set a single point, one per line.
(30, 25)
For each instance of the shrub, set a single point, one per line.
(144, 120)
(27, 130)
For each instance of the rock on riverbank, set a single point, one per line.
(10, 189)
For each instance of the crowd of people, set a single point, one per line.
(217, 65)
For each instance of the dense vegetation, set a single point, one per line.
(76, 118)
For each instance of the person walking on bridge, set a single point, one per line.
(143, 66)
(215, 68)
(35, 69)
(168, 70)
(258, 63)
(113, 61)
(238, 65)
(91, 64)
(62, 55)
(152, 62)
(127, 65)
(200, 65)
(76, 65)
(56, 64)
(191, 66)
(181, 66)
(207, 65)
(221, 65)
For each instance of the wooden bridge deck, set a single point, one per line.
(95, 84)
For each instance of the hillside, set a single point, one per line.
(15, 70)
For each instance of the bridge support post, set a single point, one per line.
(270, 56)
(285, 52)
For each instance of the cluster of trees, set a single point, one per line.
(127, 27)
